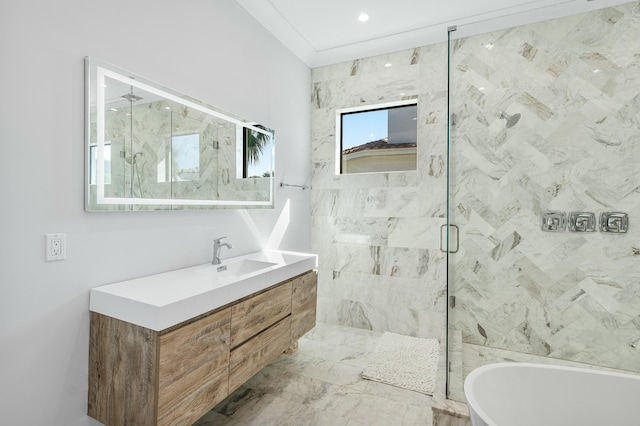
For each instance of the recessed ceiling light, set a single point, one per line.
(388, 65)
(363, 17)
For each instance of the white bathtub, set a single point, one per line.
(520, 394)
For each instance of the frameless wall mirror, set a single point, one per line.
(152, 148)
(377, 138)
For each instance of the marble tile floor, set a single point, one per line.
(320, 384)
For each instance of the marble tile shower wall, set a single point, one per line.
(378, 234)
(576, 83)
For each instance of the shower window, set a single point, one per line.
(378, 138)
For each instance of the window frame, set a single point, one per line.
(340, 113)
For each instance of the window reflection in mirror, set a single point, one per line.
(378, 138)
(257, 154)
(185, 153)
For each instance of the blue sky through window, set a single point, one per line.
(263, 166)
(264, 163)
(362, 127)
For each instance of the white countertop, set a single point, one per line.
(163, 300)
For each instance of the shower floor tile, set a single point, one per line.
(320, 385)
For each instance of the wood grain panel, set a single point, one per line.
(123, 372)
(303, 304)
(194, 362)
(253, 315)
(255, 354)
(193, 396)
(185, 349)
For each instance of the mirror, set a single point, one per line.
(151, 148)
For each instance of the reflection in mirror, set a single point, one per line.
(258, 156)
(150, 148)
(377, 138)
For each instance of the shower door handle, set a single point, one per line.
(454, 238)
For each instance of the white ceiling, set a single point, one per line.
(323, 32)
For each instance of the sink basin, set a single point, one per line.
(233, 269)
(241, 267)
(163, 300)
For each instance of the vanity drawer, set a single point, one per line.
(250, 317)
(194, 369)
(251, 357)
(303, 304)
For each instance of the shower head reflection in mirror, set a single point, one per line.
(134, 158)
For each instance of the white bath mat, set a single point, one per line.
(404, 361)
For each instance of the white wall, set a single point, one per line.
(211, 50)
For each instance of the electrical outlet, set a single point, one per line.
(56, 247)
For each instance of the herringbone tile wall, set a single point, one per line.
(576, 83)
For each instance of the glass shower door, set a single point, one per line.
(545, 190)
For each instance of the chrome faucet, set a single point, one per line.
(217, 246)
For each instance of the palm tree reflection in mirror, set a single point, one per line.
(257, 153)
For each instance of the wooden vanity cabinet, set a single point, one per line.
(138, 376)
(304, 295)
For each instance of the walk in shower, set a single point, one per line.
(544, 192)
